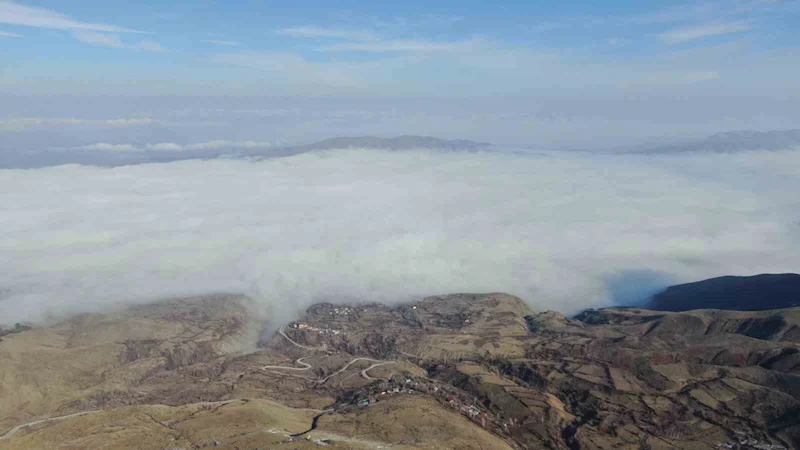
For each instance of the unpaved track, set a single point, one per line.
(14, 430)
(346, 366)
(315, 349)
(298, 369)
(364, 372)
(307, 366)
(299, 361)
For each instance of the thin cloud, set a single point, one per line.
(15, 14)
(99, 39)
(9, 34)
(173, 147)
(682, 15)
(297, 68)
(676, 78)
(330, 33)
(150, 46)
(688, 34)
(106, 147)
(404, 46)
(114, 41)
(707, 11)
(26, 123)
(225, 43)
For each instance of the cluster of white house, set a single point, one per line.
(309, 327)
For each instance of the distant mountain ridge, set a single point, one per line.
(405, 142)
(36, 159)
(735, 141)
(755, 293)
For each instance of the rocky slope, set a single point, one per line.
(459, 371)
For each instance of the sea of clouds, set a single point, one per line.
(564, 231)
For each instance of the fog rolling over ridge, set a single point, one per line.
(558, 229)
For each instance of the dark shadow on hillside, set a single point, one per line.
(636, 287)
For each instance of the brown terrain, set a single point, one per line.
(465, 371)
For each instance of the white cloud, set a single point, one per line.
(99, 39)
(9, 34)
(221, 144)
(121, 122)
(225, 43)
(688, 34)
(412, 46)
(294, 69)
(173, 147)
(330, 33)
(102, 146)
(17, 14)
(165, 147)
(114, 41)
(150, 46)
(368, 225)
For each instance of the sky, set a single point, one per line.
(443, 48)
(553, 74)
(121, 81)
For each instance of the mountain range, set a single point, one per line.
(734, 141)
(13, 157)
(406, 142)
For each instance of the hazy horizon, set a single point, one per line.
(553, 76)
(112, 84)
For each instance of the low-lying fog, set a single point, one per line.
(563, 231)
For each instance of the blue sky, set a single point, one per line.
(349, 47)
(556, 73)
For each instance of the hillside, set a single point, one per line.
(756, 293)
(462, 371)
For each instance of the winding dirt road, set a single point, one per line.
(315, 349)
(307, 366)
(14, 430)
(297, 361)
(364, 372)
(347, 366)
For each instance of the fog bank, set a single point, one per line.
(563, 231)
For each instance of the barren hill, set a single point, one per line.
(457, 371)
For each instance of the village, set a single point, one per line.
(309, 327)
(746, 442)
(411, 385)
